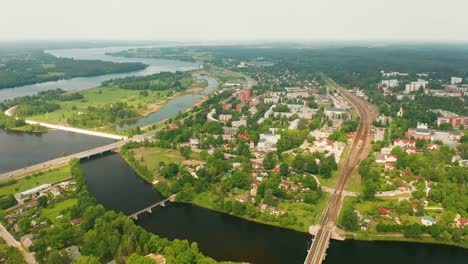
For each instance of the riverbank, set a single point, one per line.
(146, 162)
(398, 237)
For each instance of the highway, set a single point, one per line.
(359, 149)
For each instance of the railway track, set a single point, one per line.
(359, 150)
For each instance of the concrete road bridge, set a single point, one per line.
(150, 208)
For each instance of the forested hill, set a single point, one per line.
(28, 67)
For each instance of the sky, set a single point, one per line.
(234, 20)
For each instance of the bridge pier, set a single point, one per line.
(149, 211)
(135, 217)
(163, 204)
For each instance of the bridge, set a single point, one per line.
(359, 149)
(63, 160)
(150, 208)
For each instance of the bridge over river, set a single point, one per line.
(150, 208)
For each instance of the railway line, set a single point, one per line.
(359, 149)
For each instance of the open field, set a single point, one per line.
(151, 157)
(59, 209)
(102, 96)
(31, 181)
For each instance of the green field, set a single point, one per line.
(151, 157)
(102, 96)
(34, 180)
(59, 209)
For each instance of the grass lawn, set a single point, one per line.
(37, 179)
(331, 182)
(58, 209)
(151, 157)
(102, 96)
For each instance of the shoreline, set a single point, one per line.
(398, 237)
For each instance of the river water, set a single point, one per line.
(80, 83)
(225, 237)
(221, 236)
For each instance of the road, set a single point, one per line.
(10, 112)
(10, 240)
(61, 161)
(359, 149)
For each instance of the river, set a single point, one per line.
(225, 237)
(80, 83)
(220, 236)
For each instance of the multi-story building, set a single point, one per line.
(415, 86)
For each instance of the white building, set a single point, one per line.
(267, 142)
(225, 117)
(26, 194)
(334, 112)
(297, 94)
(455, 80)
(415, 86)
(294, 124)
(389, 83)
(239, 123)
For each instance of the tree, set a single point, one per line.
(268, 197)
(240, 180)
(54, 257)
(309, 182)
(185, 152)
(42, 201)
(447, 217)
(350, 220)
(284, 169)
(269, 161)
(136, 259)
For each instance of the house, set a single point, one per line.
(390, 160)
(365, 225)
(76, 221)
(383, 211)
(271, 209)
(243, 136)
(415, 207)
(194, 142)
(461, 222)
(243, 198)
(294, 124)
(267, 142)
(27, 240)
(229, 132)
(284, 185)
(297, 95)
(428, 220)
(226, 107)
(404, 142)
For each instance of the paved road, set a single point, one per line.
(358, 151)
(61, 161)
(10, 240)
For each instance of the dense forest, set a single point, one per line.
(28, 67)
(169, 53)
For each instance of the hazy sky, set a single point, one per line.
(235, 19)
